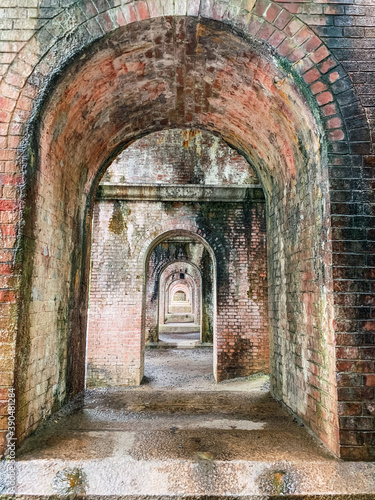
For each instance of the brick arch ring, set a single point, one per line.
(180, 287)
(191, 280)
(164, 275)
(161, 269)
(186, 227)
(263, 82)
(82, 23)
(168, 230)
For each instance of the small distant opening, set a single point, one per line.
(180, 296)
(182, 276)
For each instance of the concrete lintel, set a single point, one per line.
(179, 192)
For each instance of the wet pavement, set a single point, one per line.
(180, 434)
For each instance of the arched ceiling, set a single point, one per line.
(177, 72)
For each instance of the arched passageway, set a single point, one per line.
(166, 268)
(181, 316)
(182, 296)
(211, 79)
(170, 196)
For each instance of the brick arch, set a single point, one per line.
(163, 279)
(172, 262)
(64, 157)
(338, 140)
(195, 275)
(218, 255)
(265, 20)
(188, 287)
(171, 229)
(164, 232)
(154, 309)
(182, 227)
(145, 247)
(180, 286)
(185, 289)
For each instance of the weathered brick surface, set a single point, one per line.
(170, 278)
(235, 284)
(116, 298)
(329, 45)
(180, 157)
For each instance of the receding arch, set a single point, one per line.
(168, 235)
(169, 275)
(181, 293)
(164, 281)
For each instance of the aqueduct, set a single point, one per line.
(95, 80)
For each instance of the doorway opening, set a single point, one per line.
(180, 305)
(200, 214)
(179, 309)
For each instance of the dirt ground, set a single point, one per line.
(190, 370)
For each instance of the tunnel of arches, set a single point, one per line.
(180, 295)
(236, 91)
(180, 301)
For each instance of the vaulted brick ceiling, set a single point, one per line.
(179, 73)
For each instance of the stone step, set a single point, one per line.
(199, 478)
(180, 309)
(179, 328)
(140, 443)
(179, 318)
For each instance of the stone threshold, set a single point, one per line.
(139, 443)
(162, 480)
(181, 344)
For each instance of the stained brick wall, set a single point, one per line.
(180, 157)
(330, 46)
(241, 336)
(114, 335)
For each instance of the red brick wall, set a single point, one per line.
(330, 47)
(115, 344)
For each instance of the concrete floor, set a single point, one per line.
(182, 435)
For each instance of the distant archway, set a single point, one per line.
(170, 282)
(181, 294)
(169, 279)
